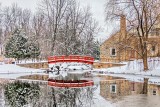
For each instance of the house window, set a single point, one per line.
(154, 92)
(113, 52)
(113, 88)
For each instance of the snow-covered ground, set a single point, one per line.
(136, 67)
(12, 68)
(133, 70)
(13, 71)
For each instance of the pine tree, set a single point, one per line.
(16, 46)
(33, 50)
(96, 50)
(19, 47)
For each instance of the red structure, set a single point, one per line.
(69, 83)
(71, 58)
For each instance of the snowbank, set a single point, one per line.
(135, 67)
(133, 70)
(11, 68)
(12, 71)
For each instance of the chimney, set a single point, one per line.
(123, 27)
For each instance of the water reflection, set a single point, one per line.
(125, 93)
(119, 91)
(138, 101)
(19, 94)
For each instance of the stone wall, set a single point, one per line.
(98, 65)
(35, 77)
(44, 65)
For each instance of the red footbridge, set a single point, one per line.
(70, 83)
(71, 58)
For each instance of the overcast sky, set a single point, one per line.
(97, 8)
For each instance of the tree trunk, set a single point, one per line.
(145, 86)
(145, 62)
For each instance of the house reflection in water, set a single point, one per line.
(114, 87)
(153, 89)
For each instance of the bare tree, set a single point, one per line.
(78, 31)
(39, 33)
(71, 29)
(54, 11)
(60, 27)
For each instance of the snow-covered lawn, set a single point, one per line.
(135, 67)
(12, 68)
(13, 71)
(133, 70)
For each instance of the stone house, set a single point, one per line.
(124, 45)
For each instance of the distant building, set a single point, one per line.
(123, 45)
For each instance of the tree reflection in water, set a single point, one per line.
(20, 94)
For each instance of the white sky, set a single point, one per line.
(97, 8)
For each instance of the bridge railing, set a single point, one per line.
(71, 58)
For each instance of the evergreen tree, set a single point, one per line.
(16, 46)
(33, 50)
(19, 47)
(96, 50)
